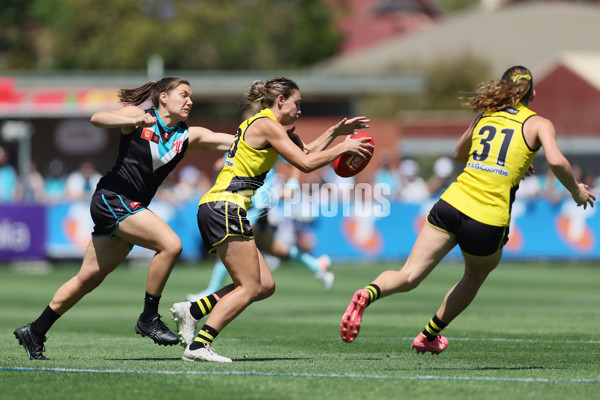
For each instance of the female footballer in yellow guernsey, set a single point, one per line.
(474, 212)
(259, 142)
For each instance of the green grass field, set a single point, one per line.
(532, 333)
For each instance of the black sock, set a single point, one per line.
(433, 328)
(203, 307)
(374, 292)
(205, 336)
(40, 326)
(150, 306)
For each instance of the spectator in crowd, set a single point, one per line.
(192, 184)
(552, 188)
(9, 182)
(56, 182)
(386, 174)
(33, 187)
(442, 176)
(529, 188)
(81, 183)
(413, 188)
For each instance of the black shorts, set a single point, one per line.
(108, 209)
(473, 237)
(222, 219)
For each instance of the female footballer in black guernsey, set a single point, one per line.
(153, 142)
(259, 142)
(474, 212)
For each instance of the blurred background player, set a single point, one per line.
(264, 201)
(474, 212)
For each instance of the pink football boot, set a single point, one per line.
(422, 345)
(352, 318)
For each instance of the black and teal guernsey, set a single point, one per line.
(146, 157)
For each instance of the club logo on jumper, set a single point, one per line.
(149, 134)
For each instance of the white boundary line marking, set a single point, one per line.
(364, 339)
(301, 375)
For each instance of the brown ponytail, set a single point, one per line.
(516, 85)
(150, 90)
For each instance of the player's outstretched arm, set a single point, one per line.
(344, 127)
(207, 140)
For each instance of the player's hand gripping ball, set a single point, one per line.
(348, 165)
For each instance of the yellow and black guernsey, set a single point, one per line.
(498, 159)
(245, 168)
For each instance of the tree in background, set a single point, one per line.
(448, 80)
(24, 40)
(458, 5)
(187, 34)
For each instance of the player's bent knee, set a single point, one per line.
(172, 247)
(266, 291)
(411, 281)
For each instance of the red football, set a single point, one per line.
(347, 164)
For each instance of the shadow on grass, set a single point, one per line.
(272, 359)
(144, 359)
(244, 359)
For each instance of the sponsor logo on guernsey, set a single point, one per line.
(149, 134)
(229, 163)
(178, 145)
(487, 168)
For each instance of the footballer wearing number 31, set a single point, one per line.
(474, 212)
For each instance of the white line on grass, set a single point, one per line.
(464, 339)
(301, 375)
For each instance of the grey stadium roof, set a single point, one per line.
(526, 34)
